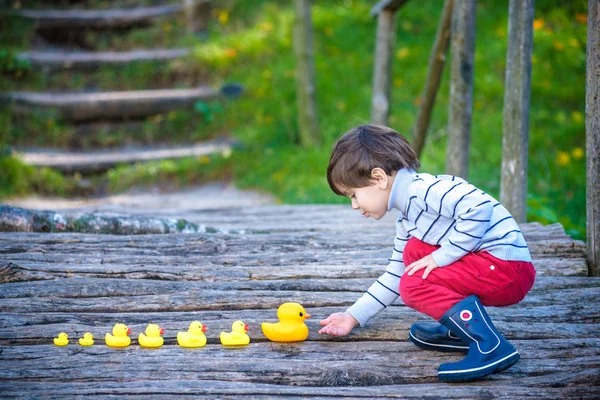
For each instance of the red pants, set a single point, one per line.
(496, 282)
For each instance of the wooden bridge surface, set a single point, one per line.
(255, 259)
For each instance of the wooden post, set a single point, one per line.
(197, 14)
(461, 88)
(437, 60)
(382, 76)
(592, 129)
(517, 92)
(305, 74)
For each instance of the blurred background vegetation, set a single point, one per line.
(251, 42)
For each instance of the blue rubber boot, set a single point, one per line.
(430, 335)
(489, 351)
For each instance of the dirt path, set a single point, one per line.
(210, 196)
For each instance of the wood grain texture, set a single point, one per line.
(244, 269)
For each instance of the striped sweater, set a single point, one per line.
(441, 210)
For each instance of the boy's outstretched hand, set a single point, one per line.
(338, 324)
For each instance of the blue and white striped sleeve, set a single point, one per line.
(386, 288)
(470, 207)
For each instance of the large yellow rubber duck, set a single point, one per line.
(237, 336)
(194, 337)
(119, 337)
(152, 337)
(87, 339)
(291, 326)
(62, 339)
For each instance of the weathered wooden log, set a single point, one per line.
(515, 117)
(109, 105)
(382, 70)
(15, 219)
(96, 18)
(102, 160)
(461, 88)
(54, 60)
(389, 5)
(592, 129)
(305, 364)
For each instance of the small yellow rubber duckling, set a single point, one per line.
(237, 336)
(87, 339)
(194, 337)
(152, 337)
(120, 338)
(291, 326)
(62, 339)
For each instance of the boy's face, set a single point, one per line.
(372, 200)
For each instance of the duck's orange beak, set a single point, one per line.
(203, 328)
(129, 331)
(306, 316)
(162, 331)
(246, 327)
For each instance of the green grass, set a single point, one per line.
(251, 43)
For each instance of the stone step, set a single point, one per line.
(113, 18)
(121, 105)
(84, 60)
(102, 160)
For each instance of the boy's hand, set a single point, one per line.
(338, 324)
(426, 262)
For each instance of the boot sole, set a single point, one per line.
(480, 372)
(436, 346)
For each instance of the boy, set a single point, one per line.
(456, 250)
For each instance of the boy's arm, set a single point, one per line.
(385, 290)
(469, 206)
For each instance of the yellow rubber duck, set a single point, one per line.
(194, 337)
(152, 337)
(291, 326)
(62, 339)
(237, 336)
(87, 339)
(119, 337)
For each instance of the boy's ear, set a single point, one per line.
(380, 177)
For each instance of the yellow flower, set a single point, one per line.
(581, 18)
(538, 24)
(574, 42)
(578, 153)
(501, 32)
(266, 26)
(563, 158)
(223, 17)
(329, 31)
(204, 160)
(577, 116)
(559, 46)
(403, 53)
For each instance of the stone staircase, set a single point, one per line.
(58, 48)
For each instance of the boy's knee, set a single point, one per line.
(409, 289)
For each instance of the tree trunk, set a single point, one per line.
(461, 88)
(592, 128)
(197, 14)
(517, 92)
(305, 74)
(382, 76)
(437, 60)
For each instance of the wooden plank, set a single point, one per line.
(307, 364)
(110, 105)
(387, 5)
(102, 160)
(112, 18)
(592, 129)
(517, 92)
(85, 60)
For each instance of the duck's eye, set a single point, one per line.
(301, 314)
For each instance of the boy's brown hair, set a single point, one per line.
(363, 148)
